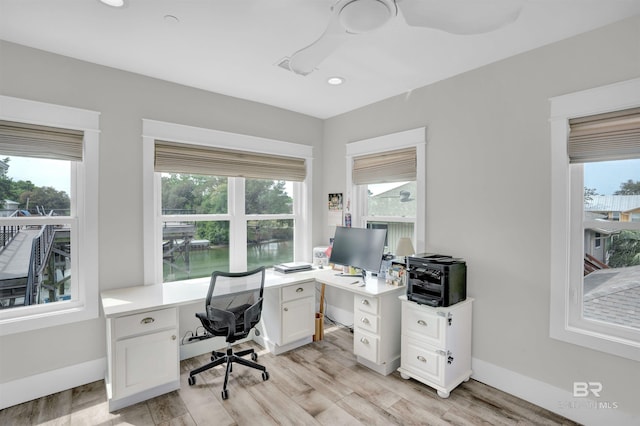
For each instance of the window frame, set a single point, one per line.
(236, 216)
(83, 218)
(357, 194)
(567, 226)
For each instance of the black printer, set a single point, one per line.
(436, 280)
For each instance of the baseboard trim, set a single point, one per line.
(559, 401)
(50, 382)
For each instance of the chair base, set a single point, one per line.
(229, 357)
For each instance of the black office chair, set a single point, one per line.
(233, 308)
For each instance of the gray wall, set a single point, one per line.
(123, 99)
(488, 194)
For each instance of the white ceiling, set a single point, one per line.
(232, 46)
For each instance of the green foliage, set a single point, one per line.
(189, 194)
(629, 188)
(266, 196)
(29, 195)
(625, 249)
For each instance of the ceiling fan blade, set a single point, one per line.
(308, 58)
(461, 16)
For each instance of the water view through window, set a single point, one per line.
(196, 232)
(35, 251)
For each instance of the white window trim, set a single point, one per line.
(152, 130)
(565, 179)
(357, 199)
(85, 242)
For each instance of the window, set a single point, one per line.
(595, 252)
(48, 222)
(386, 183)
(221, 202)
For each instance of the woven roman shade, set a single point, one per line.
(30, 140)
(602, 137)
(172, 157)
(388, 166)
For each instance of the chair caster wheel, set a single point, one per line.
(254, 356)
(192, 380)
(225, 394)
(265, 376)
(213, 357)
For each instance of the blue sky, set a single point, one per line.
(607, 176)
(41, 172)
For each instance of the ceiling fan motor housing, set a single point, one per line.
(361, 16)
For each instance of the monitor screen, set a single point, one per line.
(358, 247)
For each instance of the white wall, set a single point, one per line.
(488, 195)
(123, 99)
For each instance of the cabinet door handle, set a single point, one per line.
(147, 320)
(286, 309)
(365, 302)
(364, 340)
(173, 337)
(299, 290)
(421, 358)
(364, 320)
(421, 322)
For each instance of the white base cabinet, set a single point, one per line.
(142, 356)
(290, 311)
(436, 344)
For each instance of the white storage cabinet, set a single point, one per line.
(291, 316)
(142, 355)
(436, 344)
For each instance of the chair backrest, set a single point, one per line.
(234, 302)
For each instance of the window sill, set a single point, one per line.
(34, 320)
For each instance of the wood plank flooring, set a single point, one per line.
(318, 384)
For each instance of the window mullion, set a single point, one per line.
(237, 225)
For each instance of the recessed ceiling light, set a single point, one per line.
(113, 3)
(335, 81)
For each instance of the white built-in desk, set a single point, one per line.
(142, 327)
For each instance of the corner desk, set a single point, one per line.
(142, 327)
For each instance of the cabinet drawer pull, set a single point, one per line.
(173, 337)
(364, 340)
(422, 322)
(147, 320)
(365, 302)
(364, 320)
(299, 290)
(421, 358)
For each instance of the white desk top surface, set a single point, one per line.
(130, 300)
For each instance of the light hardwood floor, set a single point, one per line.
(318, 384)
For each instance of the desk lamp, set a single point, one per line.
(404, 249)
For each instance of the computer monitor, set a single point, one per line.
(361, 248)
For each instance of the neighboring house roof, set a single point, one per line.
(612, 203)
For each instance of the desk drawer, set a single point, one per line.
(423, 361)
(145, 322)
(366, 346)
(365, 304)
(365, 321)
(420, 322)
(298, 291)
